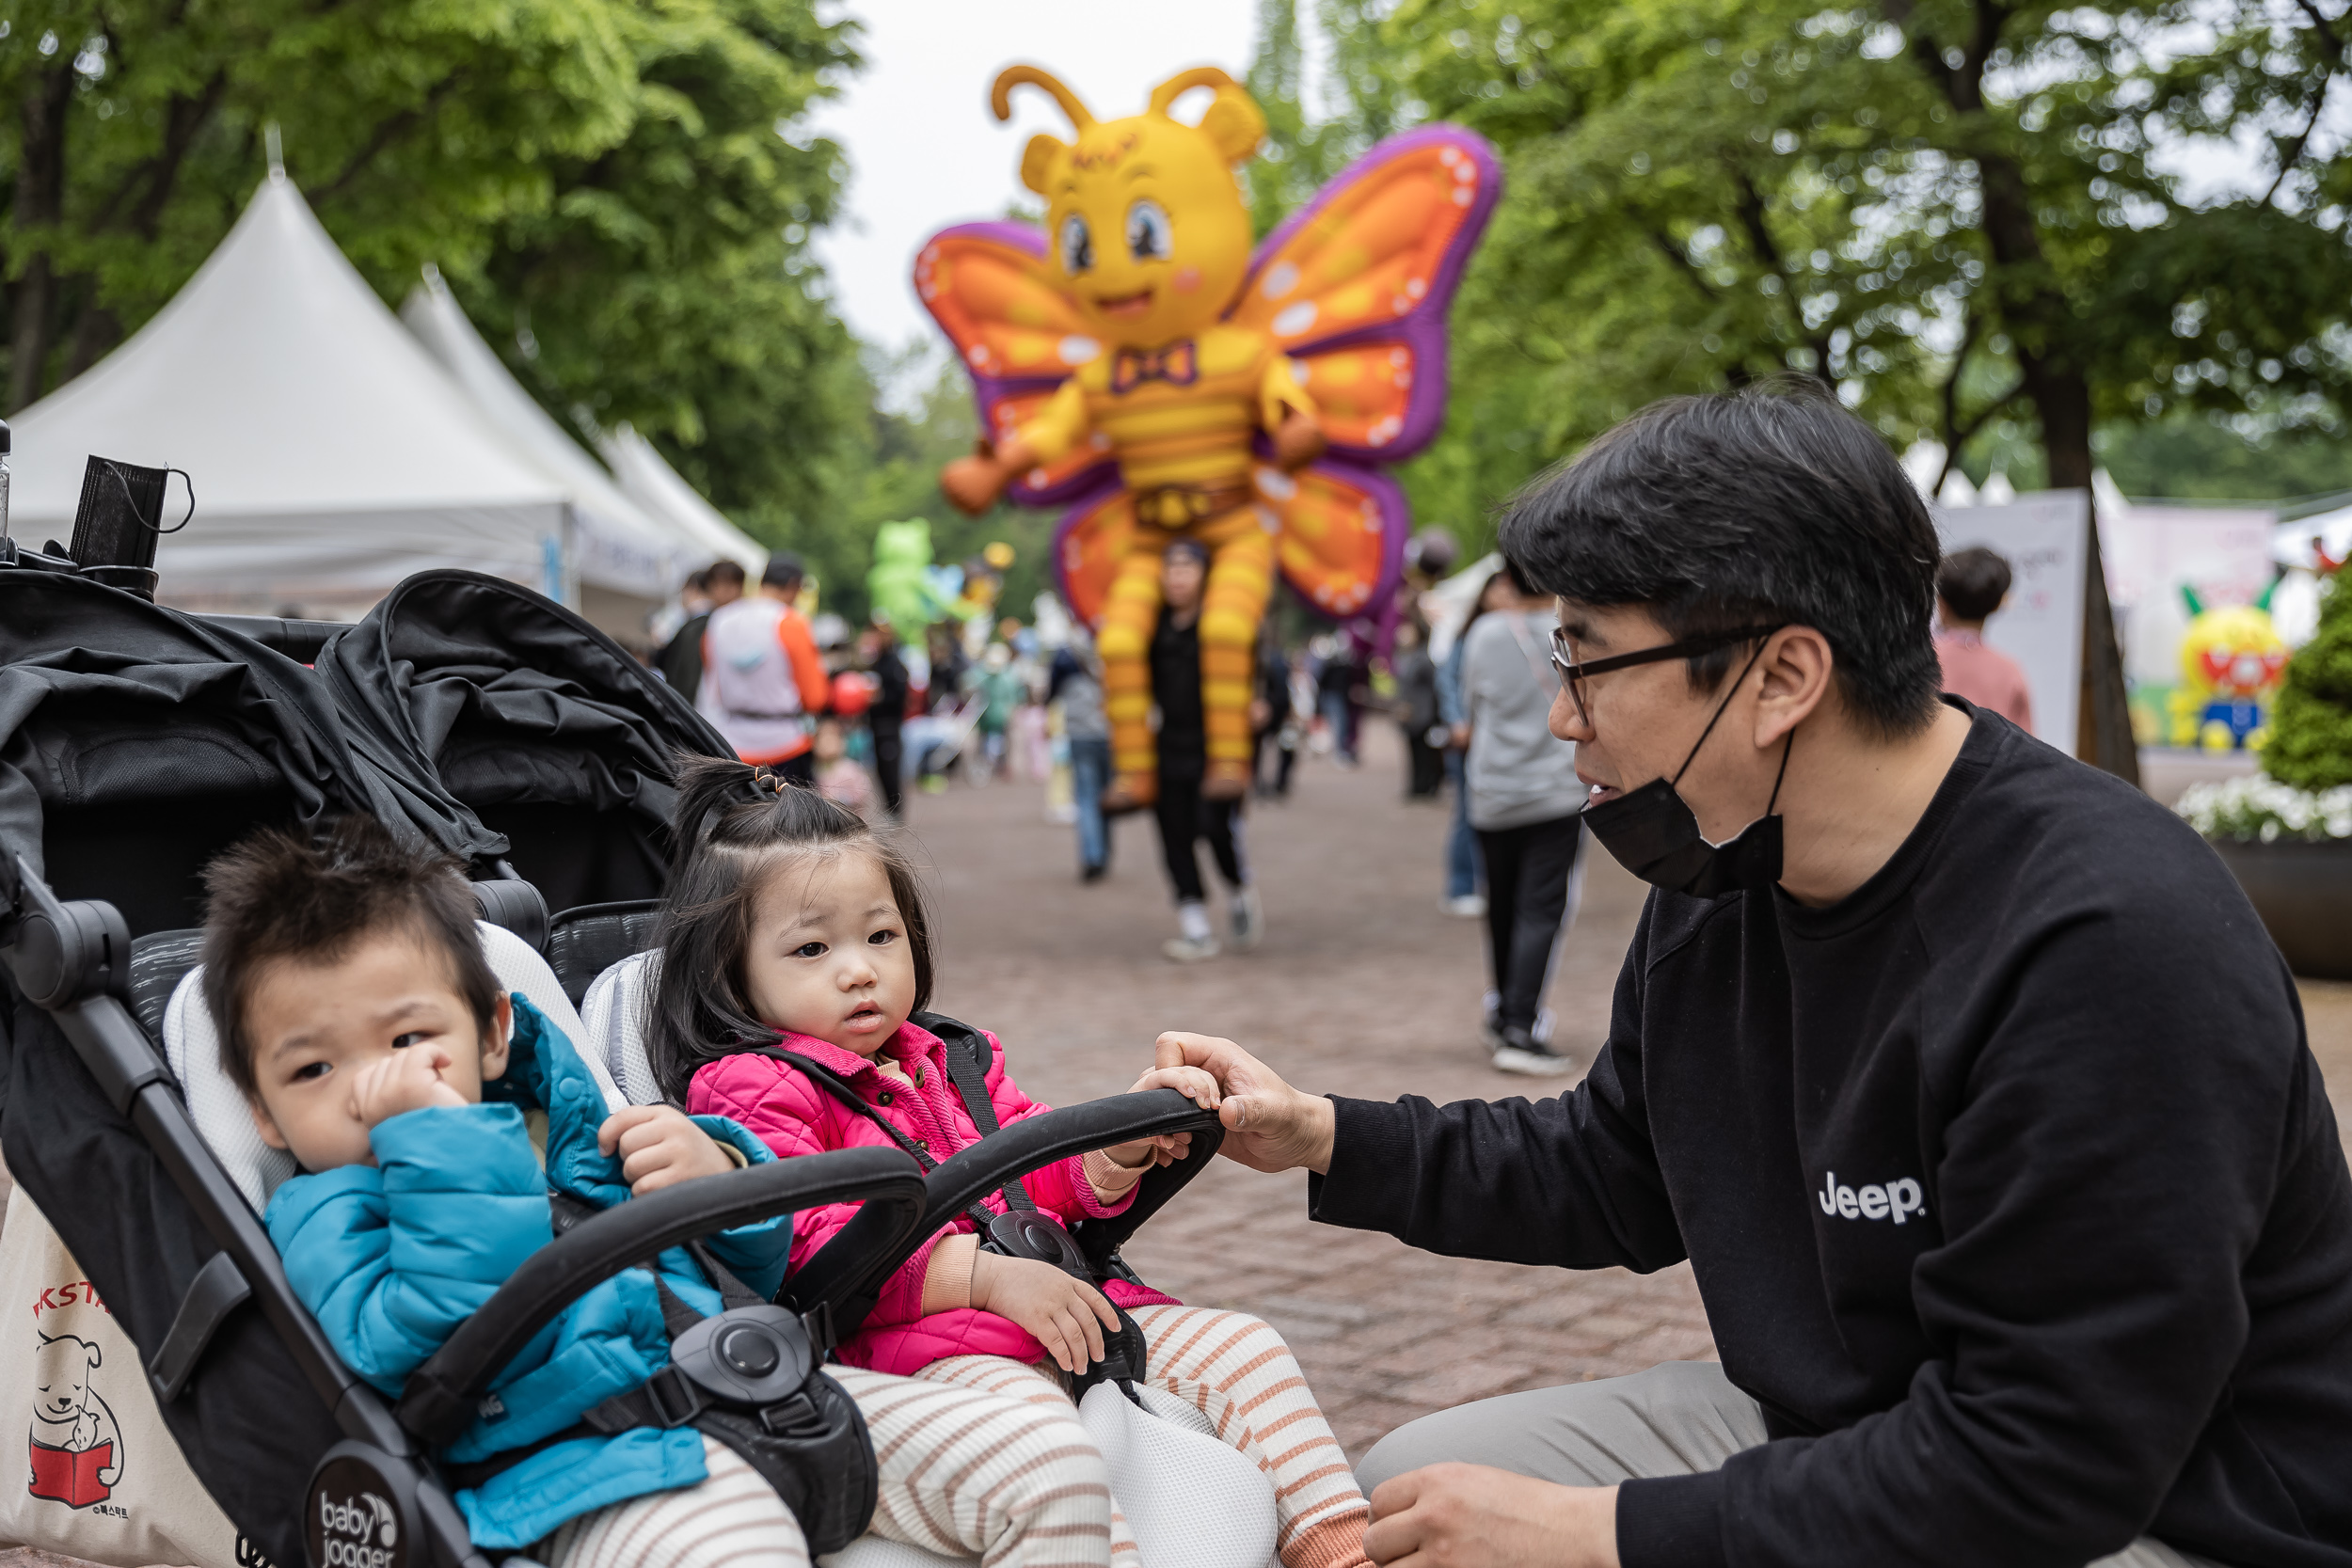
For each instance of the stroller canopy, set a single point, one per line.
(137, 743)
(547, 730)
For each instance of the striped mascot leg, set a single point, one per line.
(1129, 618)
(1241, 580)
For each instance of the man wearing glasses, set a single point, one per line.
(1963, 1074)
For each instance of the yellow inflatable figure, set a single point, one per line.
(2231, 662)
(1138, 359)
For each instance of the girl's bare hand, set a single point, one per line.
(659, 1147)
(1065, 1313)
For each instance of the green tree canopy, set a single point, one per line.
(619, 191)
(1956, 211)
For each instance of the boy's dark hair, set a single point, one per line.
(1769, 504)
(734, 823)
(1185, 545)
(1973, 582)
(784, 570)
(727, 572)
(697, 581)
(282, 896)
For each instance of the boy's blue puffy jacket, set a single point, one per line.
(392, 1258)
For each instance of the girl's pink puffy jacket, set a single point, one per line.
(792, 1115)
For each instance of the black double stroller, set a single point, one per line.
(137, 742)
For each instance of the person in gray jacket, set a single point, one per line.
(1526, 805)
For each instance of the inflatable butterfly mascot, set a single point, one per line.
(1139, 362)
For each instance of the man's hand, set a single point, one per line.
(1167, 1148)
(659, 1147)
(1277, 1127)
(1470, 1516)
(407, 1080)
(1067, 1314)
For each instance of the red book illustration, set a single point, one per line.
(68, 1476)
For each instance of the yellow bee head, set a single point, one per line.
(1145, 218)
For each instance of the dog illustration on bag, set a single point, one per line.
(76, 1444)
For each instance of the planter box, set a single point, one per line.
(2303, 891)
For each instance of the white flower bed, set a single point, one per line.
(2259, 807)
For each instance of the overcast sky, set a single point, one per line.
(924, 149)
(924, 152)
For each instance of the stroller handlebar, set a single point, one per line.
(441, 1397)
(852, 1268)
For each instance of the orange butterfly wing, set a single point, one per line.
(1355, 287)
(1088, 545)
(989, 287)
(1341, 545)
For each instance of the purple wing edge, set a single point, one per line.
(1424, 329)
(989, 390)
(1101, 484)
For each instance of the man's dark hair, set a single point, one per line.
(313, 898)
(1769, 505)
(697, 581)
(784, 570)
(727, 572)
(1973, 582)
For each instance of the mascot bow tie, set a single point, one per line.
(1177, 364)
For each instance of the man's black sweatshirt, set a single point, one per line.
(2009, 1183)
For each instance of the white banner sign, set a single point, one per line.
(2045, 538)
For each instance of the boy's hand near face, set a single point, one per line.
(407, 1080)
(659, 1147)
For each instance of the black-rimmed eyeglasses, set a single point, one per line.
(1574, 675)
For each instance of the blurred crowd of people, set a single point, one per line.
(1458, 663)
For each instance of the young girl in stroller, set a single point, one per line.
(789, 923)
(356, 1013)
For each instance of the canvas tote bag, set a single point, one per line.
(98, 1475)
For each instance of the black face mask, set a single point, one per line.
(1653, 832)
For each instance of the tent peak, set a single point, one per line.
(276, 149)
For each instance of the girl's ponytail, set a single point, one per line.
(705, 784)
(734, 822)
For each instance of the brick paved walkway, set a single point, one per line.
(1364, 987)
(1364, 984)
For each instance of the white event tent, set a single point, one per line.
(648, 480)
(331, 455)
(606, 513)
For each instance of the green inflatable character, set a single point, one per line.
(899, 586)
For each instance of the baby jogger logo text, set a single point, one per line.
(359, 1532)
(1896, 1200)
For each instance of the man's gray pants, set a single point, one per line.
(1678, 1419)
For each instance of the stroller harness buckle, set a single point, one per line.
(748, 1378)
